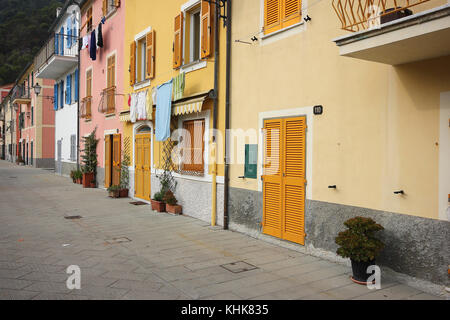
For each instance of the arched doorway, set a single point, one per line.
(142, 162)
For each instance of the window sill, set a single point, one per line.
(192, 66)
(141, 85)
(279, 34)
(110, 115)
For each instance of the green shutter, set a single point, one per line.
(251, 161)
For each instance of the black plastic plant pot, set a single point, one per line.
(359, 269)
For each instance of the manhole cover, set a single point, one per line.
(237, 267)
(73, 217)
(139, 203)
(118, 240)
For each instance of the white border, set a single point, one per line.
(288, 113)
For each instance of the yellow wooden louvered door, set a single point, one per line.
(116, 155)
(284, 179)
(107, 161)
(294, 179)
(146, 163)
(272, 178)
(138, 168)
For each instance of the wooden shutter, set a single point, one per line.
(116, 156)
(105, 7)
(146, 163)
(151, 55)
(117, 3)
(178, 41)
(294, 179)
(132, 63)
(194, 145)
(206, 28)
(291, 12)
(272, 15)
(272, 179)
(107, 161)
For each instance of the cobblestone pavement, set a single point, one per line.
(129, 252)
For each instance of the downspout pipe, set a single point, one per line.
(79, 86)
(216, 102)
(227, 117)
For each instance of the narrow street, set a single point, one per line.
(129, 252)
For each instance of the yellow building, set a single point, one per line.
(355, 123)
(163, 40)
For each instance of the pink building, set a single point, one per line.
(101, 84)
(35, 120)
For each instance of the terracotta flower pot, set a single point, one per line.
(79, 181)
(92, 184)
(158, 206)
(123, 193)
(88, 177)
(174, 209)
(114, 194)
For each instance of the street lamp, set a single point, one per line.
(37, 90)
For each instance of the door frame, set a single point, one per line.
(136, 127)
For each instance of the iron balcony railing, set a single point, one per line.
(358, 15)
(21, 92)
(108, 101)
(58, 44)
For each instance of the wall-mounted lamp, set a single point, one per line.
(307, 18)
(318, 109)
(332, 187)
(37, 90)
(399, 192)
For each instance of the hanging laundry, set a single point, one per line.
(86, 40)
(154, 94)
(100, 36)
(178, 86)
(163, 111)
(93, 47)
(141, 110)
(129, 100)
(133, 108)
(149, 105)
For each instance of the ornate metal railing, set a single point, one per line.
(86, 107)
(21, 92)
(108, 101)
(357, 15)
(58, 44)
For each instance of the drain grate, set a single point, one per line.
(118, 240)
(73, 217)
(139, 203)
(238, 267)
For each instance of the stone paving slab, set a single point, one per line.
(168, 257)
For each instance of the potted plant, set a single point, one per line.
(359, 244)
(73, 175)
(158, 203)
(171, 203)
(89, 159)
(114, 191)
(78, 176)
(124, 176)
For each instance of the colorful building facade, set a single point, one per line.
(58, 61)
(342, 124)
(173, 43)
(101, 83)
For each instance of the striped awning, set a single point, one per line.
(125, 116)
(188, 106)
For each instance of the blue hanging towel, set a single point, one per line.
(163, 111)
(93, 47)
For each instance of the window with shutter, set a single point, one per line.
(193, 146)
(251, 161)
(61, 93)
(206, 29)
(89, 20)
(150, 70)
(55, 97)
(178, 41)
(133, 63)
(280, 14)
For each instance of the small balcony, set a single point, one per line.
(57, 57)
(85, 108)
(21, 95)
(108, 101)
(393, 31)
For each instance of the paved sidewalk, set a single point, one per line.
(167, 257)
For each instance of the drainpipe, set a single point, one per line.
(79, 77)
(227, 117)
(216, 102)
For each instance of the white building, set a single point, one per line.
(58, 60)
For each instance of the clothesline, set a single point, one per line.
(102, 21)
